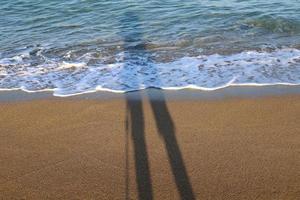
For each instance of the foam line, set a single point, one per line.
(204, 72)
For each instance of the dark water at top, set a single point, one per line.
(190, 25)
(96, 32)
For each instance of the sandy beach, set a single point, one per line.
(142, 100)
(234, 148)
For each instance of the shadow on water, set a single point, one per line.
(135, 123)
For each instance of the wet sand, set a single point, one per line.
(233, 148)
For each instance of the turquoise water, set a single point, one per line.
(87, 45)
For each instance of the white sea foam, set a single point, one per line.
(205, 72)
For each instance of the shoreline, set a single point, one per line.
(121, 148)
(155, 94)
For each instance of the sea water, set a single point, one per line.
(78, 46)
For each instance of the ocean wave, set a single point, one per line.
(34, 72)
(275, 24)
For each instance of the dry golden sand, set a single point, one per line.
(118, 149)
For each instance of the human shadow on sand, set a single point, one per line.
(135, 54)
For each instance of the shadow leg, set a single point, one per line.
(167, 131)
(136, 124)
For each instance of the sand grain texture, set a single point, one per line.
(118, 149)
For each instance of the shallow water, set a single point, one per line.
(83, 46)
